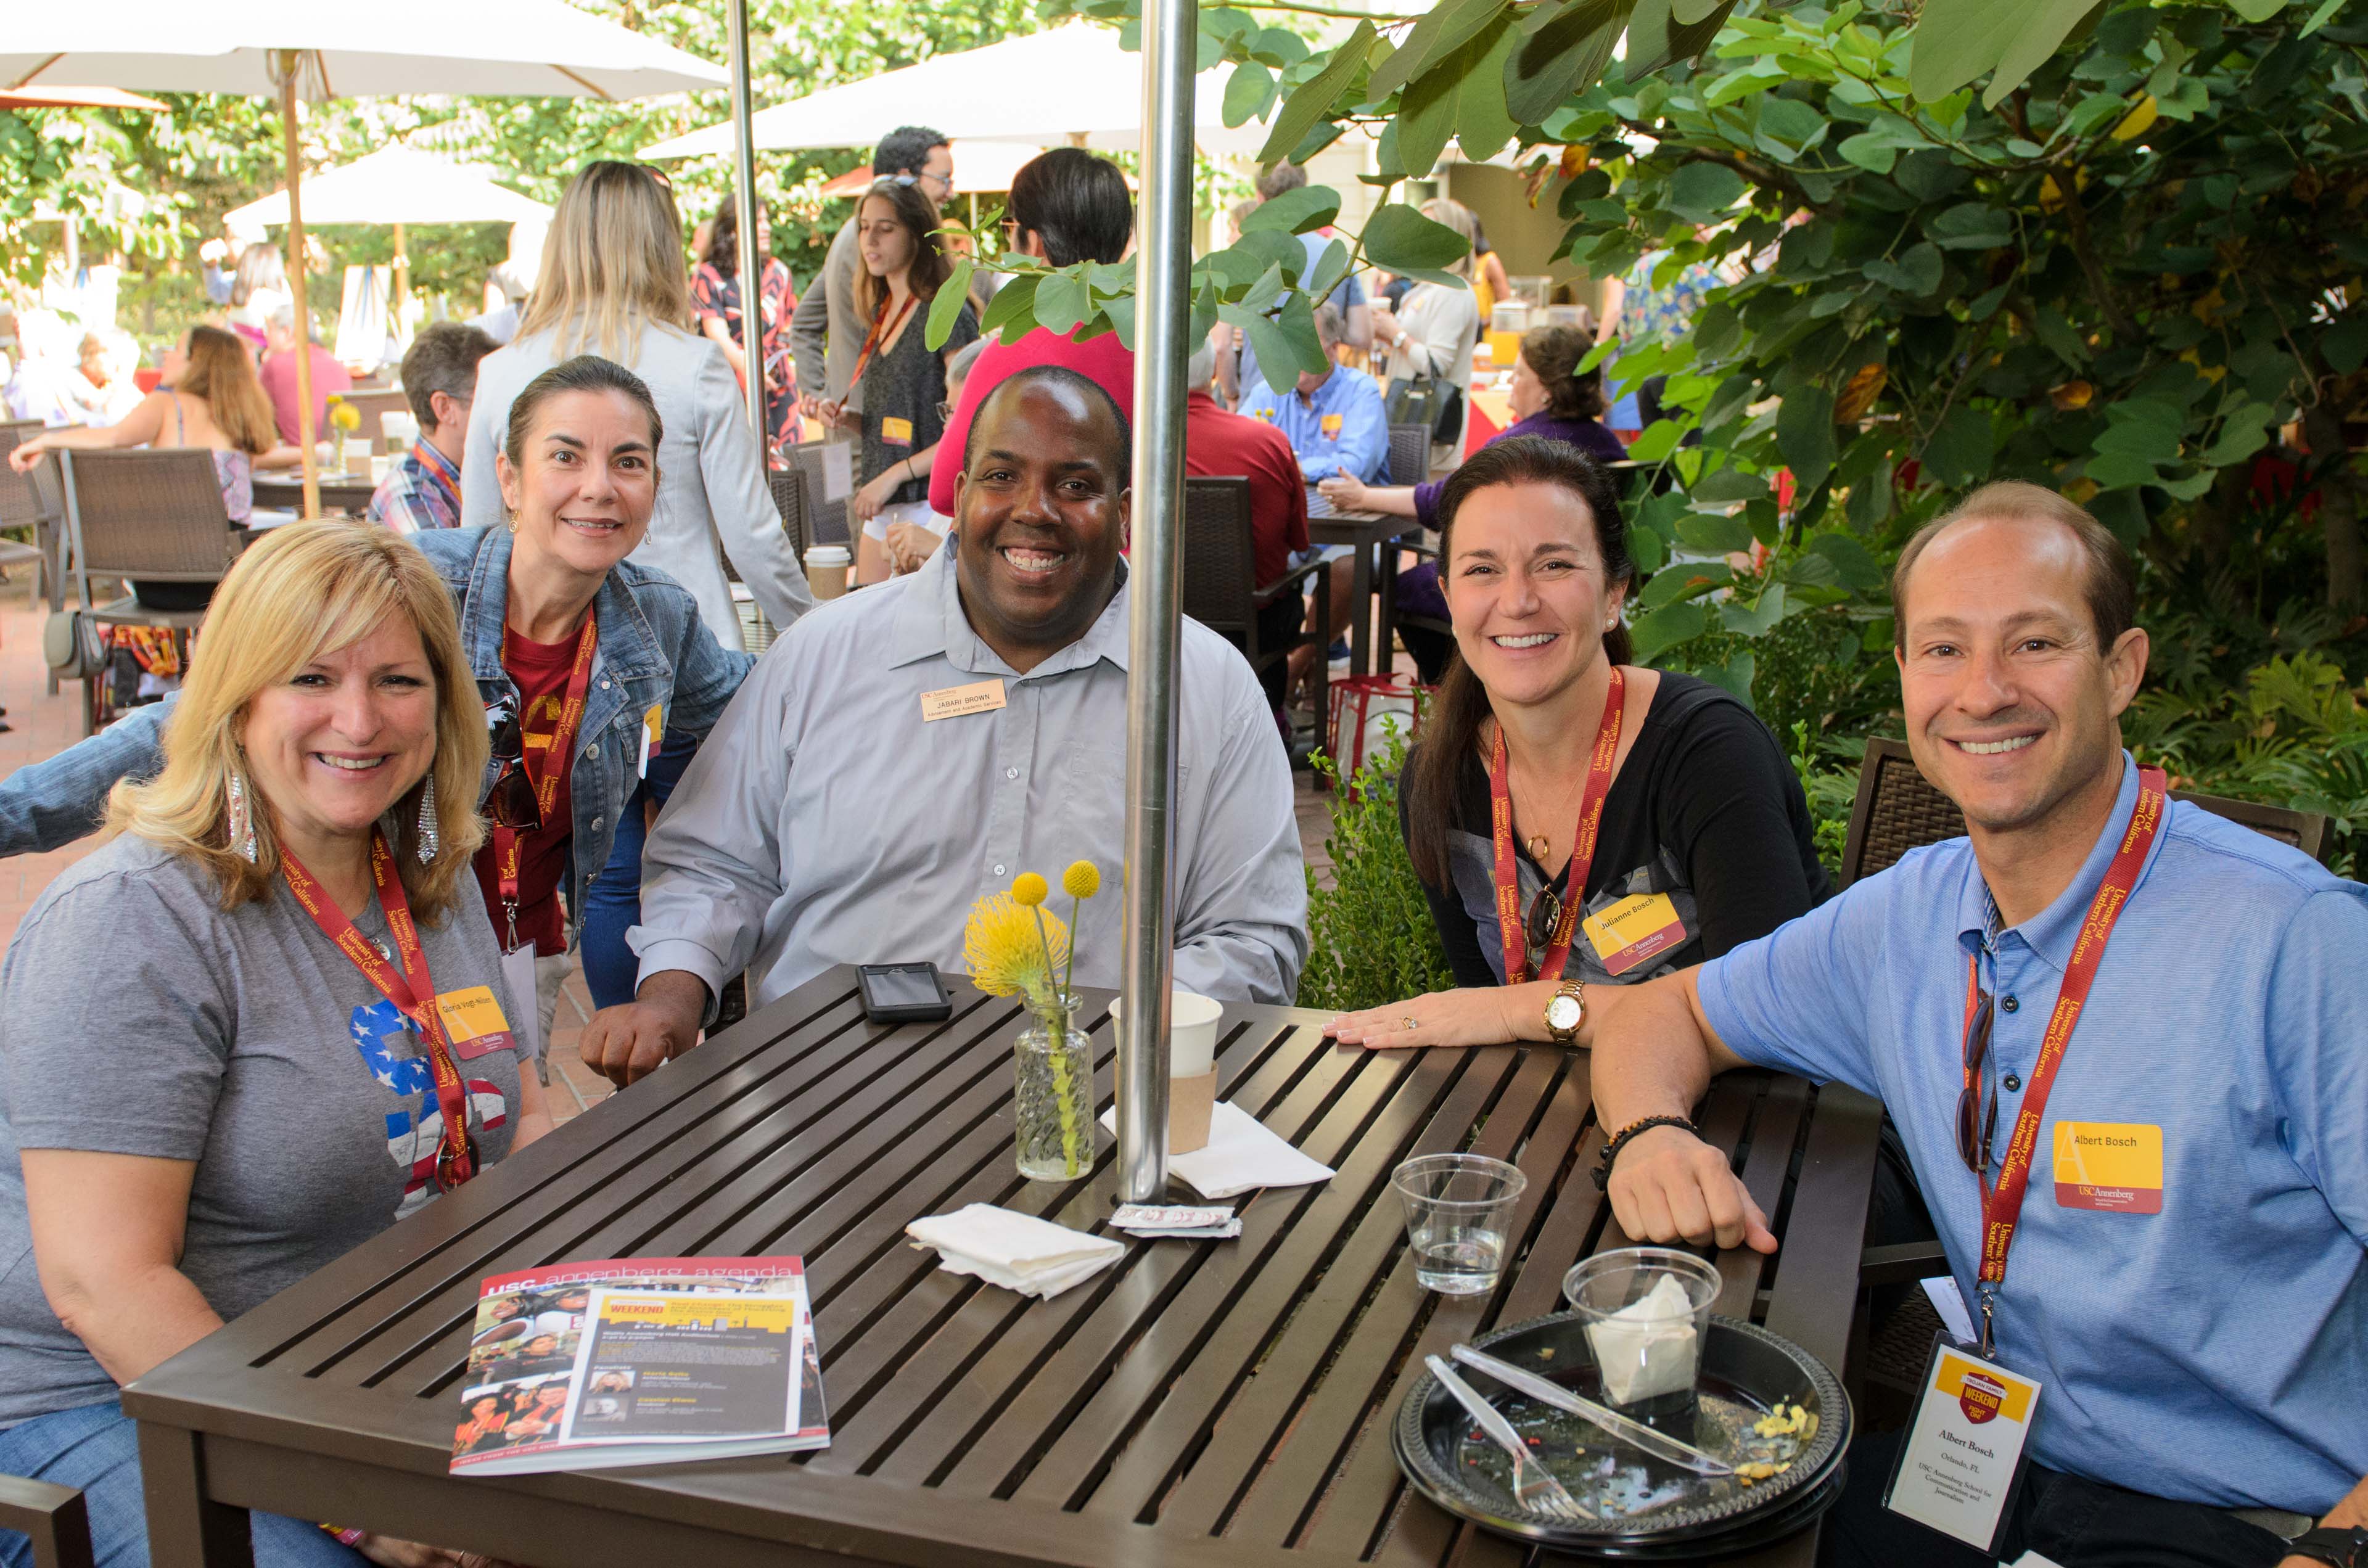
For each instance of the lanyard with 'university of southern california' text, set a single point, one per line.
(2002, 1204)
(1599, 763)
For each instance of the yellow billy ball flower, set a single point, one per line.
(1082, 880)
(1029, 890)
(1007, 951)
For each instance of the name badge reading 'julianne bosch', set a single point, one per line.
(958, 701)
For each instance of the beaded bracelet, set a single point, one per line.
(1619, 1141)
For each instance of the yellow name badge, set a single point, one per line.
(2115, 1166)
(896, 432)
(1956, 1468)
(473, 1022)
(1330, 426)
(1633, 930)
(956, 701)
(652, 731)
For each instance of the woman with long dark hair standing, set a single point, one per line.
(902, 380)
(1575, 820)
(715, 301)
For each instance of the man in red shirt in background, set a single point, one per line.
(1218, 445)
(277, 374)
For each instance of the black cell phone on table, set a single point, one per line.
(903, 993)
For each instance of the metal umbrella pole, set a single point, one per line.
(1164, 299)
(752, 282)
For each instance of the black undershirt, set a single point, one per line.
(1705, 806)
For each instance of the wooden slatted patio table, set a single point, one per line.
(1217, 1402)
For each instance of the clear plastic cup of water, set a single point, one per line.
(1458, 1208)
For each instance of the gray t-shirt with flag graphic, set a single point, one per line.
(137, 1016)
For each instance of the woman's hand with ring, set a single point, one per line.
(1470, 1016)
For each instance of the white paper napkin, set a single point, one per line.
(1646, 1348)
(1017, 1252)
(1240, 1156)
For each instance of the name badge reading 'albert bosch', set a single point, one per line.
(2114, 1166)
(957, 701)
(1963, 1460)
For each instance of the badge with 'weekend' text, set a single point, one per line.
(2115, 1166)
(955, 702)
(1631, 931)
(1963, 1459)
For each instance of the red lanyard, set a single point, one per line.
(411, 991)
(1582, 850)
(876, 337)
(554, 767)
(2002, 1205)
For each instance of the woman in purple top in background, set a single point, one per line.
(1550, 399)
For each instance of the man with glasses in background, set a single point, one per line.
(2122, 1037)
(827, 331)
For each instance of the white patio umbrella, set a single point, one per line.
(1066, 84)
(399, 185)
(291, 49)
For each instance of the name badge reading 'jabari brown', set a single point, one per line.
(955, 702)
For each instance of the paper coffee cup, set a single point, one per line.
(358, 454)
(1192, 1021)
(826, 567)
(379, 467)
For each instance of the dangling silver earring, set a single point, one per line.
(427, 840)
(241, 820)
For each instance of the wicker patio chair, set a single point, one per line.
(1221, 590)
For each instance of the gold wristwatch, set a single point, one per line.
(1565, 1008)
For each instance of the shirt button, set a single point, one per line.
(2009, 1003)
(604, 684)
(998, 870)
(592, 750)
(2012, 1082)
(1011, 773)
(596, 824)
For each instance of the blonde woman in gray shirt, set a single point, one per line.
(614, 284)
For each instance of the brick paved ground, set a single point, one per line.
(42, 725)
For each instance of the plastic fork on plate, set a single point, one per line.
(1534, 1487)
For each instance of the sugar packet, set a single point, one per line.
(1164, 1218)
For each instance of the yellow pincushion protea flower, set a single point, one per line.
(1028, 888)
(1082, 880)
(344, 415)
(1008, 953)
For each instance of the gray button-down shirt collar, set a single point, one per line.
(825, 822)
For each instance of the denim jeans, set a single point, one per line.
(96, 1449)
(613, 903)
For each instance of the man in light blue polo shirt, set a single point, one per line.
(1333, 418)
(2202, 1353)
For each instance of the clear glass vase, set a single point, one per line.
(1053, 1114)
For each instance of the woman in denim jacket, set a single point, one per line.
(579, 473)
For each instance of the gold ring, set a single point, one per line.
(1408, 1020)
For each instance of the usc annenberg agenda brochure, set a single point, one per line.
(639, 1361)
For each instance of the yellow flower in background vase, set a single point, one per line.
(344, 415)
(1028, 888)
(1082, 880)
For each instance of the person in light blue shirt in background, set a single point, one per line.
(1236, 376)
(1333, 418)
(2200, 1330)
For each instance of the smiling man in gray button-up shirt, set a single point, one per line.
(828, 820)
